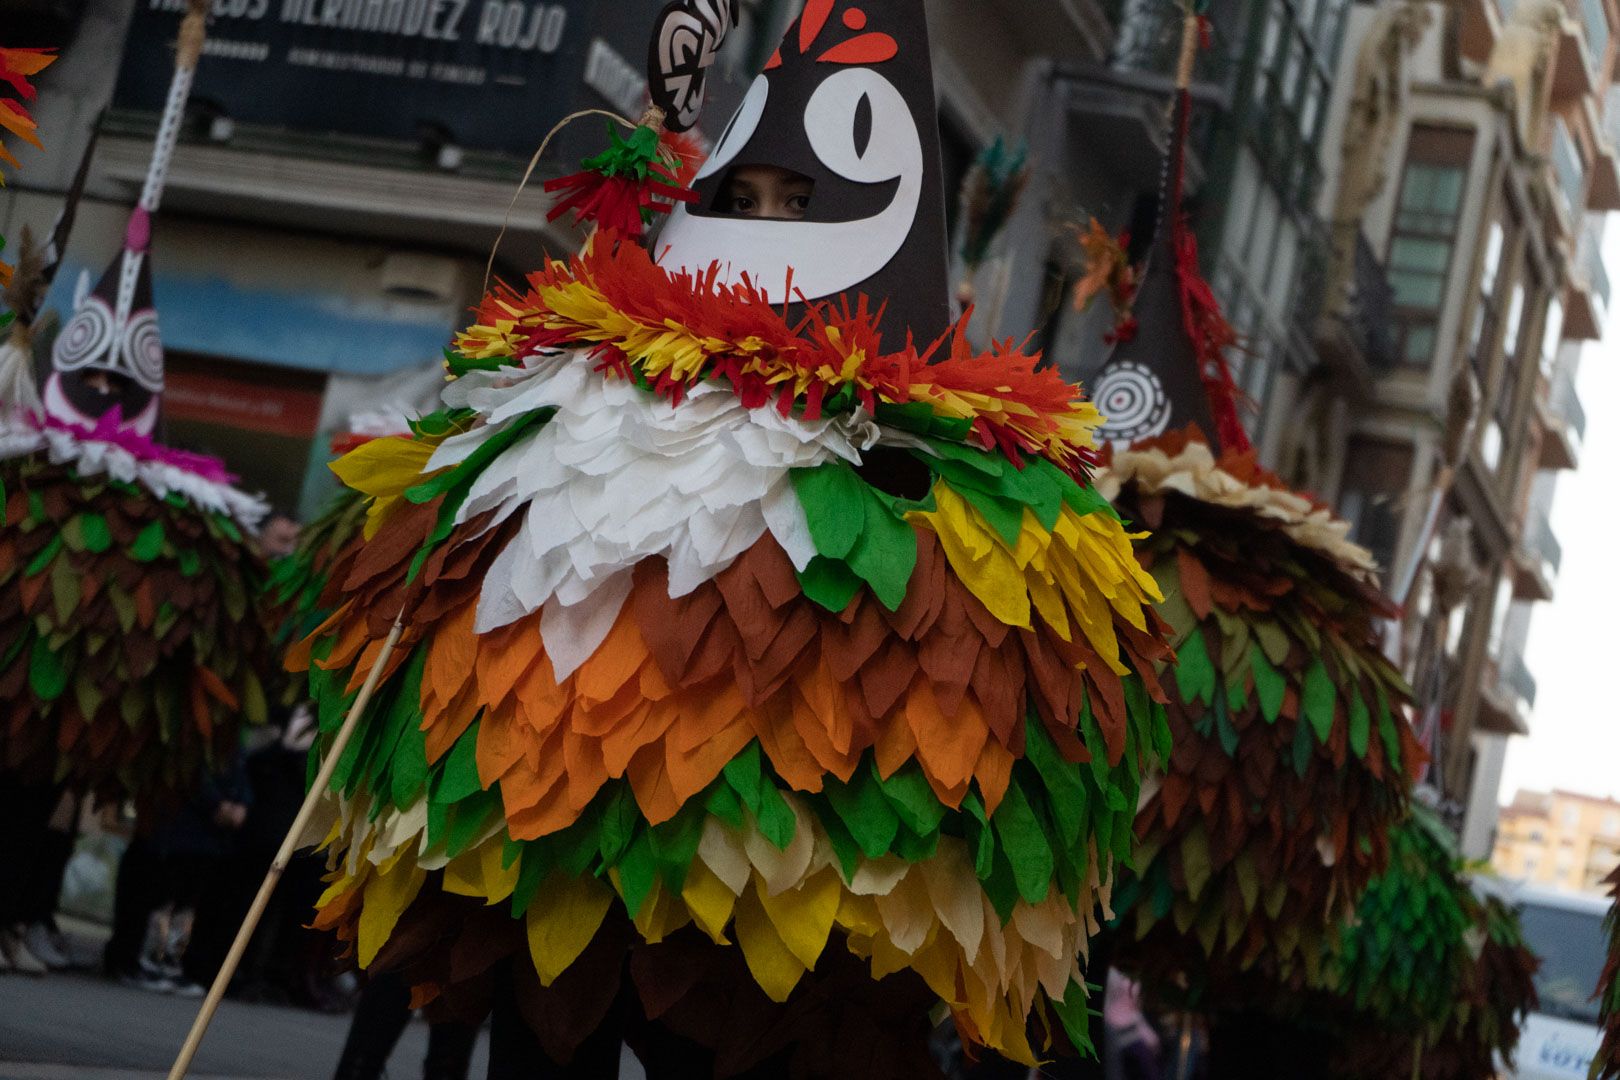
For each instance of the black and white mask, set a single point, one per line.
(847, 107)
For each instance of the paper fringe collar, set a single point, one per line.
(672, 332)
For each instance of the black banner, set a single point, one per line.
(492, 75)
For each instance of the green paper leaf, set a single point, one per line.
(829, 583)
(834, 501)
(148, 543)
(1360, 723)
(97, 536)
(1269, 683)
(620, 818)
(913, 799)
(1024, 844)
(1195, 673)
(1318, 700)
(458, 778)
(47, 675)
(865, 811)
(1070, 800)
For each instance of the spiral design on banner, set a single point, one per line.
(87, 339)
(1132, 399)
(143, 351)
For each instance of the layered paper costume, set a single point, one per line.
(1607, 1064)
(1428, 975)
(748, 638)
(1292, 754)
(130, 648)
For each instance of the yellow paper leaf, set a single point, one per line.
(388, 893)
(804, 916)
(709, 901)
(772, 963)
(383, 469)
(563, 918)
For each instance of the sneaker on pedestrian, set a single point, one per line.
(138, 978)
(17, 955)
(43, 944)
(185, 988)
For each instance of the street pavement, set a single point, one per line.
(82, 1027)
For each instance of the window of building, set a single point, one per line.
(1428, 211)
(1376, 475)
(1611, 824)
(1572, 817)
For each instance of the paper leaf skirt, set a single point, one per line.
(1292, 752)
(815, 680)
(131, 650)
(1427, 968)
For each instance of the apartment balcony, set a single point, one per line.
(1523, 684)
(1501, 707)
(1574, 60)
(1563, 425)
(1604, 194)
(1569, 176)
(1119, 101)
(1586, 306)
(1536, 560)
(1354, 330)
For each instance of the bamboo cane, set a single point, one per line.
(289, 844)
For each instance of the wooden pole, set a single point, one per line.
(289, 844)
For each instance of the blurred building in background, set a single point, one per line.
(1471, 167)
(1401, 204)
(342, 176)
(1558, 839)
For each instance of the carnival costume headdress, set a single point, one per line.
(784, 650)
(1292, 754)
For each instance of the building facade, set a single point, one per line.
(1558, 839)
(1469, 180)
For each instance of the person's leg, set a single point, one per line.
(515, 1052)
(135, 895)
(449, 1051)
(379, 1020)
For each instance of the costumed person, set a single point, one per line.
(25, 802)
(770, 674)
(130, 652)
(1429, 979)
(1292, 756)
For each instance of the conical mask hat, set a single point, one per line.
(1153, 382)
(114, 332)
(847, 102)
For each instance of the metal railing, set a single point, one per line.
(1566, 163)
(1147, 38)
(1372, 308)
(1517, 678)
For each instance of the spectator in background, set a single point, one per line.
(278, 536)
(285, 962)
(168, 866)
